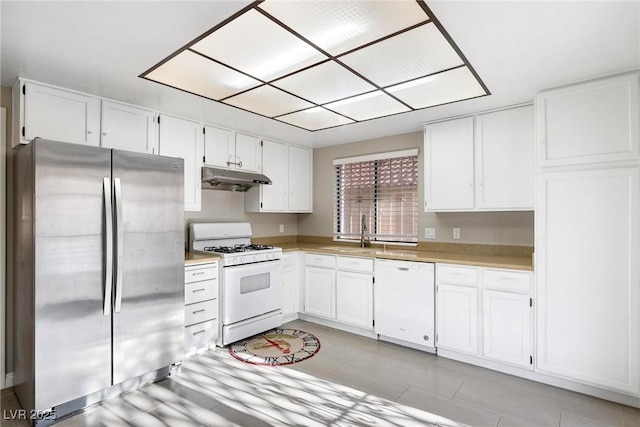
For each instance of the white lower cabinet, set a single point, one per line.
(506, 319)
(457, 323)
(320, 292)
(290, 285)
(201, 307)
(354, 298)
(340, 289)
(486, 313)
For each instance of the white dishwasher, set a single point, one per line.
(404, 301)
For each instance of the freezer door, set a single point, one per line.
(72, 333)
(148, 301)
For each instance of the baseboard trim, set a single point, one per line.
(8, 380)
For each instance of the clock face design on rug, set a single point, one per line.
(276, 347)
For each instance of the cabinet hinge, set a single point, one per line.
(158, 119)
(260, 204)
(530, 360)
(530, 302)
(24, 89)
(261, 143)
(373, 322)
(204, 159)
(373, 279)
(436, 338)
(203, 131)
(23, 132)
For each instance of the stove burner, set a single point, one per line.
(236, 248)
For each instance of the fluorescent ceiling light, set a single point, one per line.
(320, 64)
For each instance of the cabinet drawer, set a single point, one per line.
(507, 280)
(355, 264)
(320, 260)
(288, 260)
(200, 336)
(200, 291)
(198, 274)
(200, 312)
(467, 276)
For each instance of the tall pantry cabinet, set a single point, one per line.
(588, 233)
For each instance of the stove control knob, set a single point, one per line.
(243, 259)
(234, 260)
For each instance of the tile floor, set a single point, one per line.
(352, 381)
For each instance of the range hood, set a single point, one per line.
(231, 180)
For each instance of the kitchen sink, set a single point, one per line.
(368, 251)
(343, 249)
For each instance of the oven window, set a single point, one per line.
(255, 283)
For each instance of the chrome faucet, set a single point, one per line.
(363, 227)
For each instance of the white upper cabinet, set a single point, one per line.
(448, 163)
(300, 179)
(230, 150)
(289, 168)
(56, 114)
(247, 154)
(128, 127)
(595, 121)
(486, 166)
(218, 146)
(274, 197)
(183, 138)
(504, 159)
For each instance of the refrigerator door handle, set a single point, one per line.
(108, 228)
(119, 244)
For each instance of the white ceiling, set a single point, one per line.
(517, 48)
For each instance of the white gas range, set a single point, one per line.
(251, 278)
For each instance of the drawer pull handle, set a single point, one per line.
(198, 332)
(195, 291)
(197, 273)
(202, 310)
(403, 268)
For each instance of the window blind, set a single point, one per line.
(385, 191)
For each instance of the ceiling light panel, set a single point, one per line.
(259, 47)
(268, 101)
(323, 83)
(368, 106)
(193, 73)
(339, 26)
(415, 53)
(315, 119)
(449, 86)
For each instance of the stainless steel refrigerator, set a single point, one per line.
(99, 273)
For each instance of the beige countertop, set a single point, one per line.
(192, 258)
(480, 260)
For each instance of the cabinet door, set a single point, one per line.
(588, 275)
(457, 313)
(507, 327)
(128, 128)
(61, 115)
(289, 284)
(504, 159)
(354, 299)
(248, 153)
(320, 292)
(589, 122)
(183, 138)
(274, 166)
(218, 147)
(300, 179)
(448, 165)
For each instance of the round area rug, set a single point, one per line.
(276, 347)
